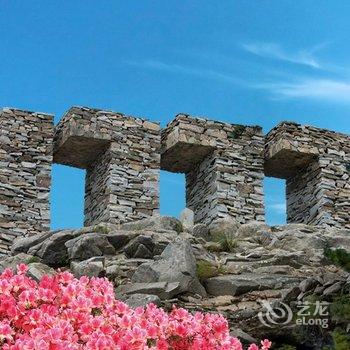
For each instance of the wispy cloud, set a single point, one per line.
(185, 69)
(279, 208)
(320, 89)
(275, 51)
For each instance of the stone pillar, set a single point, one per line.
(121, 156)
(223, 164)
(25, 174)
(316, 165)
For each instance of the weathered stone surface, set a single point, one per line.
(25, 174)
(176, 264)
(37, 270)
(154, 223)
(201, 231)
(22, 245)
(240, 284)
(164, 290)
(93, 267)
(89, 245)
(142, 300)
(140, 247)
(223, 227)
(53, 251)
(120, 239)
(187, 219)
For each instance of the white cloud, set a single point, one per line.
(279, 208)
(275, 51)
(320, 89)
(183, 69)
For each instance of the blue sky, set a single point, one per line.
(248, 62)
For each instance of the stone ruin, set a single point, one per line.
(224, 164)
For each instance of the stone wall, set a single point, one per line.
(223, 164)
(316, 164)
(121, 156)
(25, 174)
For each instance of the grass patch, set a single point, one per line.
(339, 257)
(224, 243)
(206, 269)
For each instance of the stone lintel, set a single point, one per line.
(79, 151)
(182, 157)
(286, 163)
(186, 141)
(83, 134)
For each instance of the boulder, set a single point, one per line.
(93, 267)
(142, 300)
(140, 247)
(187, 219)
(308, 284)
(255, 232)
(223, 227)
(177, 263)
(53, 251)
(244, 283)
(22, 245)
(164, 290)
(120, 239)
(333, 289)
(89, 245)
(37, 270)
(201, 231)
(156, 222)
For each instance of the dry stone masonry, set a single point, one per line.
(224, 167)
(25, 174)
(316, 165)
(224, 164)
(121, 157)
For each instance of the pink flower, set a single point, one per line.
(64, 313)
(266, 344)
(22, 269)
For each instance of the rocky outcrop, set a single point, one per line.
(176, 264)
(224, 267)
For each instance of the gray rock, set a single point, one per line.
(201, 231)
(290, 294)
(164, 290)
(89, 245)
(22, 245)
(53, 251)
(255, 231)
(187, 219)
(243, 336)
(140, 247)
(120, 239)
(333, 289)
(12, 261)
(91, 267)
(37, 270)
(154, 222)
(244, 283)
(223, 227)
(176, 264)
(308, 284)
(141, 300)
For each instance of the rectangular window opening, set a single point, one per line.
(275, 201)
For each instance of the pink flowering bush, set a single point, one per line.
(65, 313)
